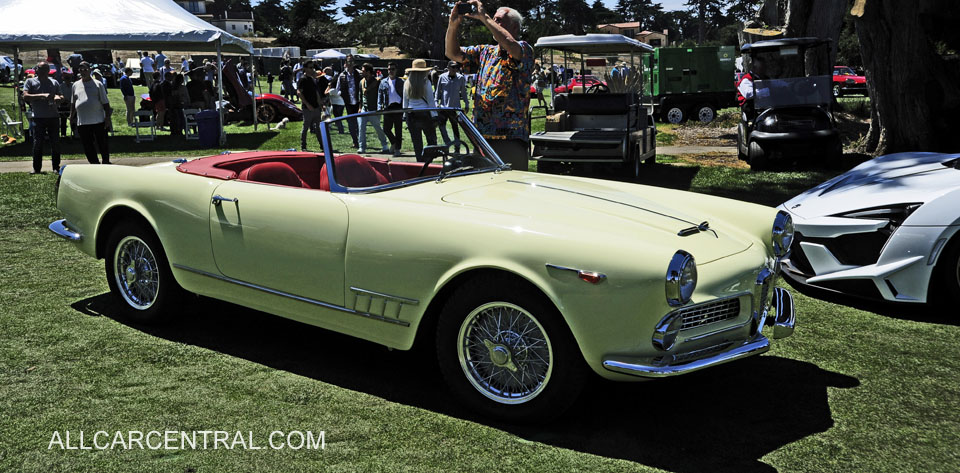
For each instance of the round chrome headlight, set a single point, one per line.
(782, 233)
(681, 278)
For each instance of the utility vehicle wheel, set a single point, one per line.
(675, 114)
(758, 158)
(706, 113)
(139, 275)
(506, 351)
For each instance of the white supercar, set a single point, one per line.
(887, 229)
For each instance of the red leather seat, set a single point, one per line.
(272, 173)
(352, 170)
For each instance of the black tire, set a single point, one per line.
(266, 113)
(741, 148)
(674, 114)
(945, 283)
(145, 289)
(837, 91)
(631, 167)
(705, 113)
(477, 368)
(758, 158)
(548, 167)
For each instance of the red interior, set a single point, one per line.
(308, 169)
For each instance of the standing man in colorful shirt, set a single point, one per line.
(502, 99)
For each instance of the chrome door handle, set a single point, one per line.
(217, 199)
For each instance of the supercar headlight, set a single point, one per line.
(895, 214)
(681, 278)
(782, 233)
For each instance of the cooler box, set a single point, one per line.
(208, 128)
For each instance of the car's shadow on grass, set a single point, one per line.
(897, 310)
(722, 419)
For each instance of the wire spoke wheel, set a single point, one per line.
(505, 352)
(136, 272)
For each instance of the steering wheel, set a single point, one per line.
(598, 88)
(457, 144)
(430, 153)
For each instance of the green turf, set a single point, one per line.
(859, 387)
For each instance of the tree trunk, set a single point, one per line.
(817, 18)
(913, 89)
(702, 24)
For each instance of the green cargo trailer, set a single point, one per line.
(691, 82)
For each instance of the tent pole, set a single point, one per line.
(16, 84)
(253, 74)
(223, 134)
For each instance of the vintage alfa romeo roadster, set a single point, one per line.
(524, 282)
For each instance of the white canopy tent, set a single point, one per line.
(114, 24)
(329, 54)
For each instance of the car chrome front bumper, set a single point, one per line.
(63, 230)
(681, 363)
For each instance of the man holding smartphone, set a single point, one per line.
(502, 98)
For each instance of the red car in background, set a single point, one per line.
(846, 81)
(579, 81)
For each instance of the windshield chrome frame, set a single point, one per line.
(461, 118)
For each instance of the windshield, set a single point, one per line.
(799, 91)
(403, 147)
(790, 61)
(844, 71)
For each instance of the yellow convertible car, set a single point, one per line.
(524, 282)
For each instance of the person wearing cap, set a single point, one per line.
(418, 93)
(91, 107)
(390, 97)
(129, 96)
(451, 90)
(312, 93)
(501, 102)
(370, 87)
(43, 95)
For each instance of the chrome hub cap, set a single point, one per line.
(674, 115)
(136, 273)
(505, 353)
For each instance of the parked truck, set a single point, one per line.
(691, 82)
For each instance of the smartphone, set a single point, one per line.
(466, 8)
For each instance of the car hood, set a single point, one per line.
(591, 206)
(891, 179)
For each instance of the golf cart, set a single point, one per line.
(789, 116)
(604, 123)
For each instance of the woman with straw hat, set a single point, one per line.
(418, 93)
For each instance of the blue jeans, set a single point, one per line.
(374, 121)
(49, 128)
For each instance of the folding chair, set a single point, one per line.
(149, 123)
(191, 130)
(10, 127)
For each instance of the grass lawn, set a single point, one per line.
(859, 387)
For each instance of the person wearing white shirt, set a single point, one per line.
(389, 97)
(418, 93)
(91, 107)
(184, 65)
(336, 102)
(146, 69)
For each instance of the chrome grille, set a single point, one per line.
(715, 311)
